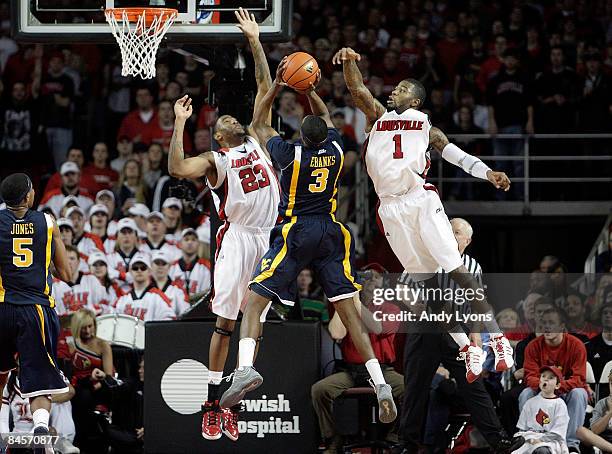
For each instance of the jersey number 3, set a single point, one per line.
(249, 180)
(22, 256)
(397, 154)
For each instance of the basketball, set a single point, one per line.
(302, 69)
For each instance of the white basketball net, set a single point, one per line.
(138, 41)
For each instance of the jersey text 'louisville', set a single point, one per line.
(309, 175)
(26, 251)
(396, 152)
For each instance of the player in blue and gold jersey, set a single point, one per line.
(308, 236)
(29, 325)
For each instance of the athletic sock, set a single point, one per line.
(246, 352)
(492, 326)
(459, 337)
(375, 371)
(214, 385)
(41, 418)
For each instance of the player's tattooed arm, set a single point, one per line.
(248, 25)
(364, 100)
(178, 166)
(437, 139)
(263, 130)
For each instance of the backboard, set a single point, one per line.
(199, 21)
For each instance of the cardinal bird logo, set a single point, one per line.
(542, 418)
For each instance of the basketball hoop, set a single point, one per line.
(139, 32)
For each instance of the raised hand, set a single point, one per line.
(280, 70)
(499, 179)
(313, 85)
(183, 108)
(346, 53)
(247, 24)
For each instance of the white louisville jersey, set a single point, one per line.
(152, 304)
(88, 292)
(169, 247)
(118, 266)
(89, 243)
(62, 294)
(192, 277)
(247, 191)
(396, 152)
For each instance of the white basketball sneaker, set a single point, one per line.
(474, 358)
(504, 359)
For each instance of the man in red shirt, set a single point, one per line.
(562, 350)
(354, 373)
(138, 121)
(74, 154)
(98, 170)
(161, 130)
(450, 50)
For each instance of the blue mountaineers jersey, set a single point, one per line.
(309, 176)
(26, 251)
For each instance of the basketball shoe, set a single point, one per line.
(474, 358)
(211, 420)
(243, 381)
(387, 411)
(230, 422)
(503, 353)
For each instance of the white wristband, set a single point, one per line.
(470, 164)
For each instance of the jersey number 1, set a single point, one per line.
(23, 257)
(397, 154)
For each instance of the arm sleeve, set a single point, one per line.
(282, 152)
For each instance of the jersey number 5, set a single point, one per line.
(250, 182)
(23, 257)
(397, 154)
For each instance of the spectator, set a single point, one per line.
(558, 349)
(450, 49)
(99, 170)
(599, 348)
(160, 268)
(353, 372)
(156, 166)
(468, 68)
(56, 95)
(510, 112)
(161, 130)
(594, 112)
(480, 113)
(602, 415)
(508, 321)
(156, 238)
(125, 148)
(493, 64)
(577, 322)
(429, 70)
(202, 141)
(132, 188)
(190, 273)
(144, 301)
(98, 266)
(98, 220)
(533, 51)
(74, 154)
(529, 316)
(107, 198)
(71, 178)
(136, 125)
(66, 231)
(602, 296)
(92, 363)
(125, 250)
(19, 125)
(311, 297)
(139, 212)
(86, 291)
(85, 242)
(390, 71)
(440, 115)
(290, 111)
(556, 90)
(117, 87)
(171, 209)
(409, 55)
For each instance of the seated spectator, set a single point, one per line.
(161, 130)
(98, 224)
(135, 125)
(60, 416)
(74, 154)
(602, 296)
(156, 238)
(99, 170)
(354, 371)
(202, 141)
(189, 272)
(527, 307)
(160, 268)
(172, 209)
(125, 250)
(599, 348)
(311, 299)
(544, 419)
(66, 231)
(71, 180)
(601, 421)
(98, 266)
(576, 317)
(125, 148)
(139, 212)
(508, 321)
(86, 242)
(86, 290)
(564, 351)
(144, 301)
(92, 363)
(290, 111)
(155, 164)
(132, 187)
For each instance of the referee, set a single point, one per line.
(425, 351)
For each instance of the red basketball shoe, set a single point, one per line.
(230, 423)
(211, 420)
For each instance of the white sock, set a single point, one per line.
(460, 339)
(215, 377)
(492, 326)
(375, 371)
(41, 418)
(246, 352)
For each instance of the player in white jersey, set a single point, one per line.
(414, 220)
(246, 193)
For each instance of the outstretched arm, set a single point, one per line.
(317, 106)
(354, 81)
(262, 111)
(470, 164)
(248, 26)
(178, 166)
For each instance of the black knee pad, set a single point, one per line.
(222, 331)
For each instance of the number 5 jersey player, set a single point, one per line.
(309, 236)
(29, 325)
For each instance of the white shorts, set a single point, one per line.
(419, 232)
(241, 250)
